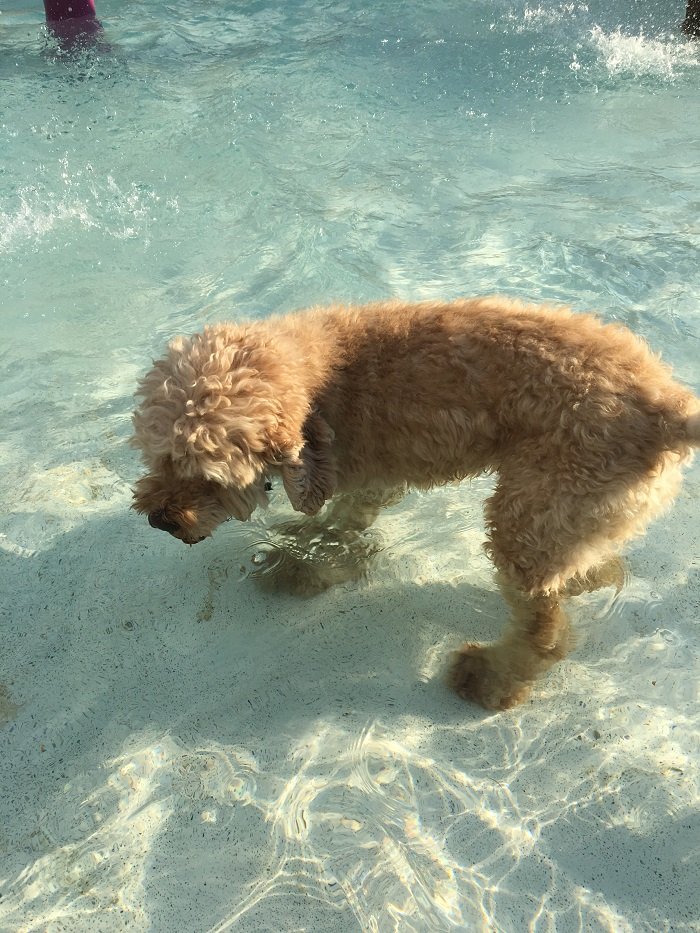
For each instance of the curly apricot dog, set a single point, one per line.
(586, 429)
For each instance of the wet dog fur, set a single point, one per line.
(585, 428)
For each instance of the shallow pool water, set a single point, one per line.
(187, 744)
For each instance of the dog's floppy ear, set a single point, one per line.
(309, 474)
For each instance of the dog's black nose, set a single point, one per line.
(159, 521)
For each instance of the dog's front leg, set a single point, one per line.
(501, 675)
(357, 511)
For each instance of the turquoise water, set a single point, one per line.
(186, 747)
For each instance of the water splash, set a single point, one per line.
(640, 55)
(30, 222)
(306, 557)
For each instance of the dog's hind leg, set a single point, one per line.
(610, 572)
(543, 536)
(553, 523)
(500, 675)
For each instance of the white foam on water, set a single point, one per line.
(30, 222)
(640, 55)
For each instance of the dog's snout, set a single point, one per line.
(159, 521)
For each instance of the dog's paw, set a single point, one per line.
(306, 557)
(475, 676)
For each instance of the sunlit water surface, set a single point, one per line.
(188, 742)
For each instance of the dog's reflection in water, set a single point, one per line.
(309, 555)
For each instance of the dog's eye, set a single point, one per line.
(268, 486)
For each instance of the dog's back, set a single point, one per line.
(431, 392)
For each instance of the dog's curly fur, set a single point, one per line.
(585, 427)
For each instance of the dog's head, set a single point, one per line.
(219, 414)
(190, 509)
